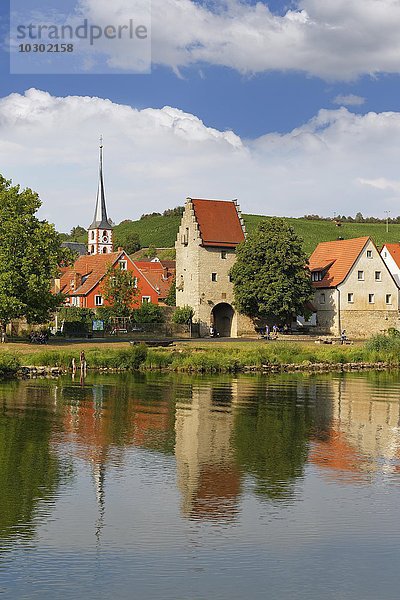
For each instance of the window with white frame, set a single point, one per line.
(378, 276)
(75, 301)
(350, 298)
(369, 253)
(371, 298)
(98, 300)
(146, 299)
(214, 277)
(223, 254)
(360, 275)
(123, 265)
(388, 298)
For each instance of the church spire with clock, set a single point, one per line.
(100, 234)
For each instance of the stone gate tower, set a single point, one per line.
(209, 233)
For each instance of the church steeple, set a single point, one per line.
(100, 231)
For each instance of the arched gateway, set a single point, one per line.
(222, 316)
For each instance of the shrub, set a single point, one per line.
(9, 365)
(148, 313)
(183, 315)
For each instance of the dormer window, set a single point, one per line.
(317, 276)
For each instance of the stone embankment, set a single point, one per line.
(320, 367)
(30, 371)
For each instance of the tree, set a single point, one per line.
(148, 313)
(270, 277)
(183, 315)
(128, 240)
(119, 291)
(78, 234)
(170, 300)
(30, 252)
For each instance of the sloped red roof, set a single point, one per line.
(336, 259)
(92, 268)
(394, 251)
(160, 277)
(219, 223)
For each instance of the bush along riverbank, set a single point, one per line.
(9, 366)
(378, 353)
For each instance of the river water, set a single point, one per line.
(186, 488)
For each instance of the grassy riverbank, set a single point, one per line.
(210, 357)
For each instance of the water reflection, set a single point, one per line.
(209, 477)
(364, 436)
(29, 471)
(224, 440)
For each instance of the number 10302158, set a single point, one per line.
(61, 48)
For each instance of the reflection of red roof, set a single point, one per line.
(219, 223)
(335, 259)
(217, 493)
(394, 251)
(338, 456)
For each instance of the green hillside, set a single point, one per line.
(161, 232)
(157, 231)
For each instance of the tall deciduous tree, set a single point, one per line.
(120, 291)
(30, 252)
(270, 275)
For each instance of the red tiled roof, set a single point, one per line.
(219, 223)
(394, 251)
(337, 259)
(159, 276)
(92, 268)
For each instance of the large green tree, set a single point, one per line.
(30, 252)
(270, 276)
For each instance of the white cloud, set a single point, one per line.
(332, 39)
(348, 100)
(382, 184)
(154, 158)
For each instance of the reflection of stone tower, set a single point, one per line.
(207, 475)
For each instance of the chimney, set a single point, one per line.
(77, 280)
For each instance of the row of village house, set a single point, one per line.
(356, 285)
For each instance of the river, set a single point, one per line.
(200, 488)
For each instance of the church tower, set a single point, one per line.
(100, 234)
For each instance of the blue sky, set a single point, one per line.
(274, 101)
(252, 97)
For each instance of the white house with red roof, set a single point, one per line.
(391, 255)
(209, 233)
(354, 289)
